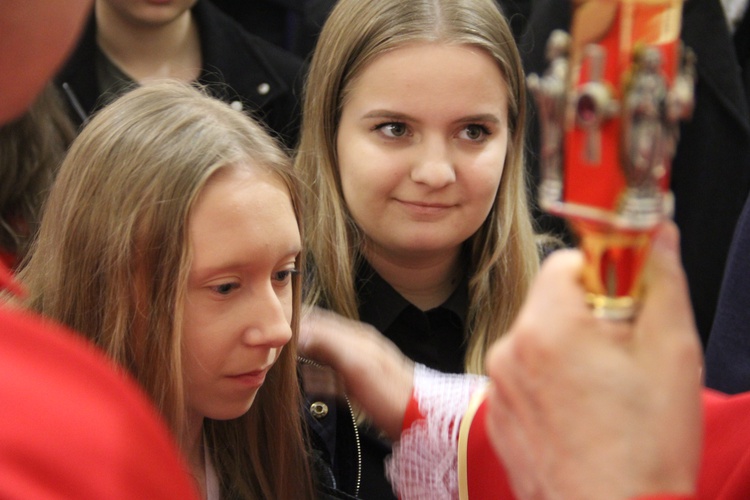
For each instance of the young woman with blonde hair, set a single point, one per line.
(412, 151)
(171, 240)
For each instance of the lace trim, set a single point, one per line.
(424, 463)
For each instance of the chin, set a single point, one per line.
(231, 411)
(429, 244)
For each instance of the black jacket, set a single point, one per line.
(728, 351)
(332, 430)
(237, 66)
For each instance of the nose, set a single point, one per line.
(434, 165)
(269, 318)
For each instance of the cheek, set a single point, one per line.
(361, 200)
(485, 186)
(355, 187)
(195, 352)
(205, 339)
(484, 200)
(193, 364)
(503, 160)
(350, 164)
(368, 178)
(363, 165)
(488, 173)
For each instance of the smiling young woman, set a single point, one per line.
(417, 220)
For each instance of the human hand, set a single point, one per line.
(587, 408)
(375, 372)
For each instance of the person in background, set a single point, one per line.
(73, 425)
(575, 396)
(727, 349)
(295, 24)
(31, 149)
(171, 241)
(291, 24)
(417, 219)
(129, 42)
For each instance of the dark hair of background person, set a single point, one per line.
(295, 24)
(31, 149)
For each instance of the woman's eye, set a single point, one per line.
(475, 132)
(284, 276)
(225, 288)
(393, 129)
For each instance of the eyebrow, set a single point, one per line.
(393, 115)
(483, 117)
(204, 272)
(384, 113)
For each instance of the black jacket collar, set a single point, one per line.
(380, 304)
(233, 60)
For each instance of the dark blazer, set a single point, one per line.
(711, 169)
(236, 66)
(291, 24)
(728, 352)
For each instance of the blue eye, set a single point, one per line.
(475, 132)
(393, 129)
(225, 288)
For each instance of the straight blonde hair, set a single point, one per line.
(502, 254)
(112, 261)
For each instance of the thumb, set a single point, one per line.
(666, 304)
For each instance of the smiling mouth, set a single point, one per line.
(425, 208)
(428, 205)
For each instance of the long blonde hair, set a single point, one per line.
(112, 261)
(502, 254)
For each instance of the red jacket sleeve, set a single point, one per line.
(725, 462)
(75, 426)
(665, 497)
(486, 476)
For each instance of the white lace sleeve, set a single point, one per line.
(424, 463)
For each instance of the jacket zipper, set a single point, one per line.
(309, 361)
(359, 446)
